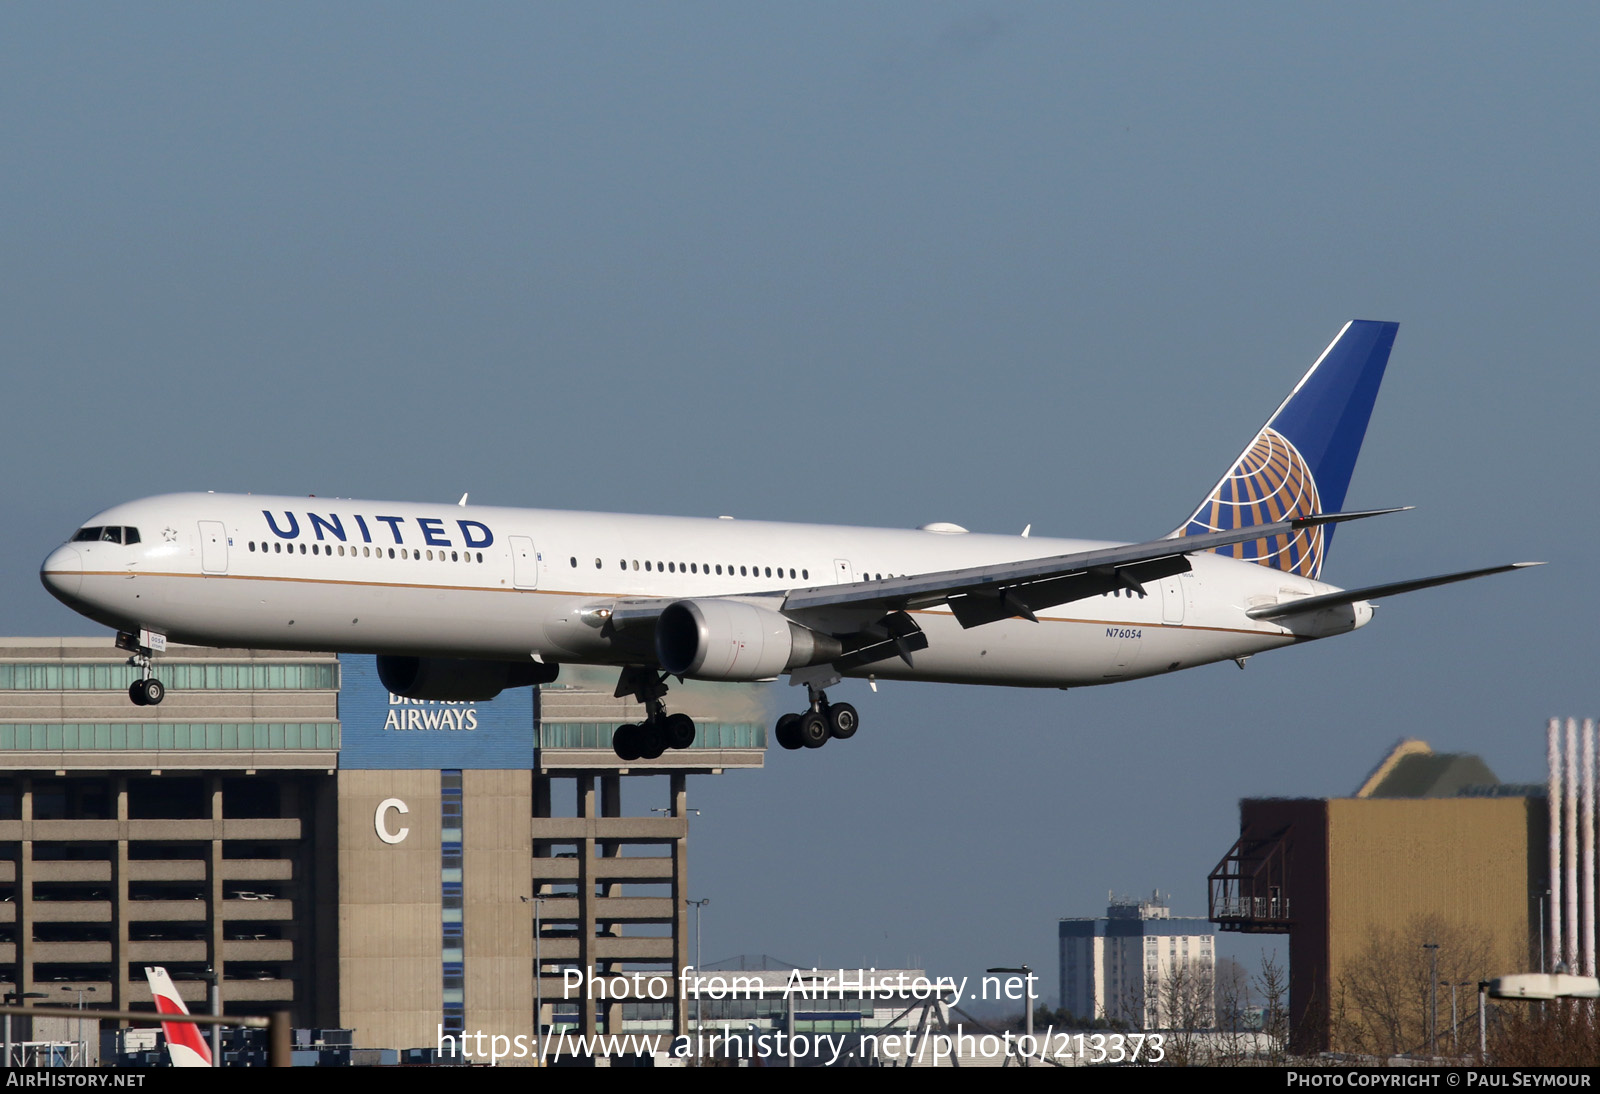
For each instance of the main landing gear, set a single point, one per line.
(813, 728)
(659, 731)
(146, 691)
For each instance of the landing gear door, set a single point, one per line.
(524, 563)
(213, 547)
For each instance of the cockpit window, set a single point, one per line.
(109, 533)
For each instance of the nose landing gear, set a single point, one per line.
(146, 691)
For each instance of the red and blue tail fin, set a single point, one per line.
(1301, 461)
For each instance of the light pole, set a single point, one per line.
(1433, 991)
(699, 958)
(1027, 1020)
(538, 972)
(1542, 967)
(83, 1045)
(1483, 1021)
(13, 998)
(666, 811)
(210, 976)
(1455, 1030)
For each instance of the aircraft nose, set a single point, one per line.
(62, 573)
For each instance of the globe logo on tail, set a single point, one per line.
(1269, 483)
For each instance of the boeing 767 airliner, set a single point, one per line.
(461, 602)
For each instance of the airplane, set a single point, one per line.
(184, 1044)
(460, 602)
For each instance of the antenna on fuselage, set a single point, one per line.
(463, 500)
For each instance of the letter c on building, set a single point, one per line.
(382, 828)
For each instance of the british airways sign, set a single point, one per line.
(386, 530)
(381, 731)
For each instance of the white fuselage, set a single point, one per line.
(509, 584)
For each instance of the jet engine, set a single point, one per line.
(731, 640)
(445, 679)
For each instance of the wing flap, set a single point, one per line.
(990, 604)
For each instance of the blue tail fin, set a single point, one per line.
(1301, 460)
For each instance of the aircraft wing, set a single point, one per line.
(985, 594)
(1372, 592)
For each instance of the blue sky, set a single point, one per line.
(996, 264)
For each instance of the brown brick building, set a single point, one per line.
(1431, 851)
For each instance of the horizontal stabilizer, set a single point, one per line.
(1373, 592)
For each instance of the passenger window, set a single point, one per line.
(574, 562)
(647, 566)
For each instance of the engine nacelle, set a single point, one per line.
(445, 679)
(730, 640)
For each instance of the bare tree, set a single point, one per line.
(1181, 1003)
(1235, 1019)
(1559, 1034)
(1272, 985)
(1384, 998)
